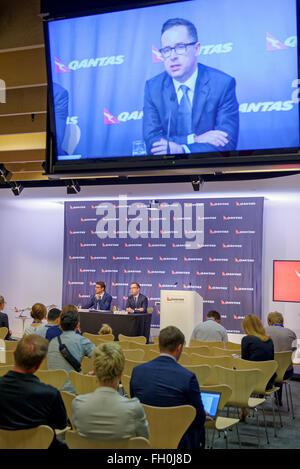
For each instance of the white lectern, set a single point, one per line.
(181, 308)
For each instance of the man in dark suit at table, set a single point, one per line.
(101, 300)
(189, 108)
(136, 302)
(162, 382)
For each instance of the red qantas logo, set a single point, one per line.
(156, 55)
(60, 67)
(274, 44)
(109, 118)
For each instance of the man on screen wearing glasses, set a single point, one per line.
(190, 107)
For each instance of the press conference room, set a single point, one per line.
(149, 201)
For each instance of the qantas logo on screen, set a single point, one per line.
(94, 62)
(156, 55)
(272, 43)
(124, 116)
(60, 67)
(267, 106)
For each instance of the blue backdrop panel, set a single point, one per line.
(212, 246)
(103, 62)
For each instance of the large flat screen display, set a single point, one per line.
(200, 77)
(286, 281)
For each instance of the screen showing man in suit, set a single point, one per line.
(190, 107)
(136, 302)
(176, 78)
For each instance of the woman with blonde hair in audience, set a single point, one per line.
(256, 346)
(38, 313)
(105, 329)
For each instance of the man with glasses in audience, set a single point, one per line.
(190, 107)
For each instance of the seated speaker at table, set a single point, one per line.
(136, 302)
(101, 300)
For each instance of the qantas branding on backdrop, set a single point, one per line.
(93, 62)
(255, 107)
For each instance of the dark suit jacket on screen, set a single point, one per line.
(215, 107)
(162, 382)
(142, 302)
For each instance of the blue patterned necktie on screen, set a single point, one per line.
(134, 299)
(184, 119)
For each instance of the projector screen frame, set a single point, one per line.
(277, 159)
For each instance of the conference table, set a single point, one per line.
(128, 324)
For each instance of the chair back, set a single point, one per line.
(107, 337)
(34, 438)
(75, 441)
(140, 339)
(184, 359)
(43, 365)
(199, 343)
(126, 345)
(87, 365)
(201, 371)
(55, 378)
(226, 362)
(168, 424)
(221, 352)
(145, 347)
(94, 338)
(134, 354)
(242, 383)
(3, 332)
(151, 355)
(267, 368)
(129, 365)
(9, 357)
(83, 384)
(5, 369)
(284, 360)
(10, 345)
(233, 346)
(201, 350)
(125, 380)
(67, 398)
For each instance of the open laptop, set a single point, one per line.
(210, 401)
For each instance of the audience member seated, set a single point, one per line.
(25, 402)
(4, 318)
(104, 414)
(38, 313)
(256, 346)
(283, 339)
(52, 329)
(77, 345)
(162, 382)
(211, 329)
(105, 329)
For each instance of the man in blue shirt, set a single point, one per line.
(77, 345)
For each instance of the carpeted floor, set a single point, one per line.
(288, 436)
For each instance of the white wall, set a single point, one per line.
(31, 235)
